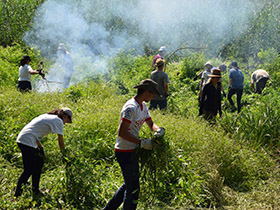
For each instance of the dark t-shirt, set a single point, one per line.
(211, 98)
(160, 77)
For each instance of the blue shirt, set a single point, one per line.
(237, 78)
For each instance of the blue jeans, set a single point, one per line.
(238, 93)
(154, 104)
(127, 193)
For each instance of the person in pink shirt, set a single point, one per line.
(161, 54)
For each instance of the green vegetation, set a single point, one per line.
(231, 165)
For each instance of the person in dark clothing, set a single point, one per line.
(236, 80)
(161, 78)
(210, 102)
(33, 153)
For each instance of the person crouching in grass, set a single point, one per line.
(210, 103)
(29, 143)
(133, 115)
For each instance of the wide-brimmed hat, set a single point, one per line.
(159, 62)
(148, 84)
(69, 112)
(215, 73)
(208, 63)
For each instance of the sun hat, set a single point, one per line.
(208, 63)
(148, 84)
(234, 63)
(215, 73)
(159, 62)
(69, 112)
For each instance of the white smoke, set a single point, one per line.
(94, 31)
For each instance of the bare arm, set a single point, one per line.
(253, 84)
(123, 132)
(166, 88)
(200, 73)
(230, 82)
(61, 142)
(33, 71)
(152, 125)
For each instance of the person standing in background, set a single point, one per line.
(236, 80)
(25, 71)
(161, 54)
(67, 64)
(259, 77)
(205, 77)
(29, 143)
(211, 98)
(161, 78)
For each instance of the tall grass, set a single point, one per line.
(199, 166)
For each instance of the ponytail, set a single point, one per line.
(58, 112)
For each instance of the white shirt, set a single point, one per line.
(24, 74)
(259, 74)
(39, 127)
(136, 115)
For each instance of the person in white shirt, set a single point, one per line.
(133, 115)
(259, 77)
(25, 71)
(29, 142)
(67, 64)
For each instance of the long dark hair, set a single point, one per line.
(58, 112)
(24, 60)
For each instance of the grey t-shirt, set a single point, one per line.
(39, 127)
(160, 77)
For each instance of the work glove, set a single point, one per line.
(159, 132)
(146, 144)
(195, 78)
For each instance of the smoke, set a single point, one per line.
(94, 31)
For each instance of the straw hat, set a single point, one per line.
(215, 73)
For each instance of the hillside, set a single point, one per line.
(233, 164)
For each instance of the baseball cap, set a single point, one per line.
(234, 63)
(68, 111)
(162, 48)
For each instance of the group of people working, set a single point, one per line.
(211, 88)
(134, 114)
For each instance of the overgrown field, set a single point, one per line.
(233, 165)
